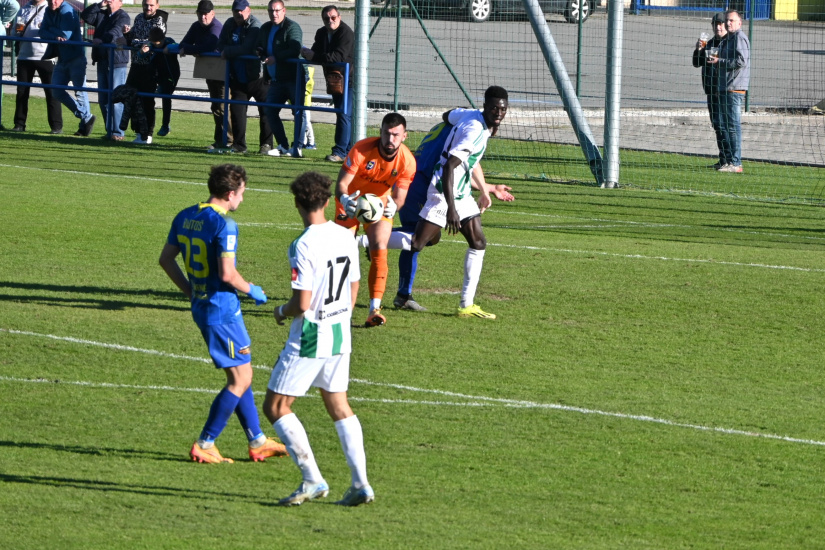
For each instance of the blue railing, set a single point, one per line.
(300, 83)
(755, 9)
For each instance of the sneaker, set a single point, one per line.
(56, 131)
(268, 449)
(732, 169)
(140, 141)
(474, 311)
(295, 152)
(375, 319)
(278, 152)
(265, 149)
(115, 137)
(815, 110)
(216, 148)
(164, 131)
(18, 128)
(310, 146)
(304, 492)
(407, 303)
(719, 166)
(354, 497)
(333, 158)
(211, 455)
(88, 126)
(237, 149)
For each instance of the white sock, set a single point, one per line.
(400, 241)
(362, 240)
(473, 261)
(293, 435)
(258, 442)
(375, 303)
(352, 442)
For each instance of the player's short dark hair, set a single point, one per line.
(225, 178)
(327, 9)
(391, 120)
(311, 190)
(495, 92)
(156, 34)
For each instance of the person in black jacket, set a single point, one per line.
(239, 37)
(109, 20)
(167, 72)
(334, 43)
(140, 74)
(710, 81)
(279, 43)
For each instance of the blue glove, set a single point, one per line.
(257, 294)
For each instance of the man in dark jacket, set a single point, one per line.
(239, 38)
(279, 42)
(109, 19)
(710, 80)
(334, 43)
(202, 37)
(141, 73)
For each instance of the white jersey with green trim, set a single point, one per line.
(467, 141)
(324, 260)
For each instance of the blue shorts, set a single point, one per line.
(229, 345)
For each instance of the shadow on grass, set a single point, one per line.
(94, 302)
(96, 451)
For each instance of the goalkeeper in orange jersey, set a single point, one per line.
(385, 167)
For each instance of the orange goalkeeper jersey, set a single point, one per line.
(375, 175)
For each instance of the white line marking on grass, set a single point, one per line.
(474, 400)
(127, 177)
(643, 257)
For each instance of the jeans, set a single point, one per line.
(73, 71)
(26, 68)
(281, 92)
(343, 123)
(118, 78)
(731, 127)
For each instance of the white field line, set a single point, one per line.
(618, 223)
(473, 400)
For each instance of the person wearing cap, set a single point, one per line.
(279, 44)
(334, 43)
(202, 37)
(710, 80)
(109, 20)
(238, 39)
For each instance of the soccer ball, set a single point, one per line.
(369, 208)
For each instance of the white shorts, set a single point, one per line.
(293, 375)
(435, 210)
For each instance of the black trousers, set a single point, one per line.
(216, 91)
(144, 79)
(26, 70)
(257, 90)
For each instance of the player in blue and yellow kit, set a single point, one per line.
(208, 240)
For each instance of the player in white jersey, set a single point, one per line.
(325, 275)
(450, 203)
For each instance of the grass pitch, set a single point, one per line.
(654, 379)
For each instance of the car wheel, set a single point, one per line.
(571, 13)
(480, 10)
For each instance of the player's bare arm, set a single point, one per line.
(229, 275)
(297, 304)
(453, 221)
(170, 265)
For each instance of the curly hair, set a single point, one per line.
(225, 178)
(495, 92)
(311, 190)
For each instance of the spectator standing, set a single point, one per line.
(167, 72)
(8, 10)
(109, 20)
(279, 42)
(62, 23)
(140, 74)
(30, 61)
(734, 77)
(239, 38)
(710, 80)
(334, 43)
(202, 37)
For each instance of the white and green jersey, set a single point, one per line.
(467, 141)
(324, 260)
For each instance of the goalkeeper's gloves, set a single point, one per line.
(257, 294)
(391, 208)
(349, 203)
